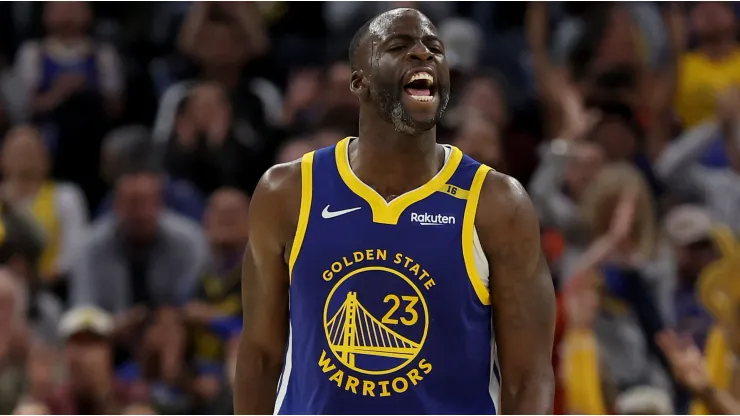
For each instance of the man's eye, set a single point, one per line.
(435, 49)
(396, 48)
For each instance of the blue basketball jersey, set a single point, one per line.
(389, 304)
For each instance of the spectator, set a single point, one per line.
(139, 256)
(140, 264)
(711, 68)
(582, 372)
(218, 298)
(68, 61)
(648, 25)
(690, 231)
(679, 165)
(210, 148)
(625, 252)
(21, 245)
(91, 388)
(222, 38)
(484, 94)
(126, 146)
(719, 294)
(687, 364)
(75, 88)
(58, 207)
(567, 166)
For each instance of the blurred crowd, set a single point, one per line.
(134, 133)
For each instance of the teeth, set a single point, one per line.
(423, 98)
(422, 75)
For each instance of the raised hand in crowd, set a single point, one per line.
(624, 215)
(614, 244)
(552, 81)
(576, 120)
(660, 91)
(687, 362)
(689, 369)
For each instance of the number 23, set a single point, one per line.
(411, 301)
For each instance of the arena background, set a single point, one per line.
(133, 134)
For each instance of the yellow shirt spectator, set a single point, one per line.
(699, 81)
(582, 377)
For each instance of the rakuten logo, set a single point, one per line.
(431, 219)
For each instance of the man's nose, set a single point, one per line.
(420, 52)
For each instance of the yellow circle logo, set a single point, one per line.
(376, 320)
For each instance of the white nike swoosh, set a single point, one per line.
(331, 214)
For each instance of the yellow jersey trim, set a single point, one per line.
(306, 195)
(389, 212)
(454, 191)
(468, 227)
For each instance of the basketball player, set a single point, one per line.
(380, 269)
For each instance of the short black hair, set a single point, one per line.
(144, 160)
(357, 40)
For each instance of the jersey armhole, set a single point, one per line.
(306, 195)
(469, 236)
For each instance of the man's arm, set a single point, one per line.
(265, 282)
(522, 295)
(678, 165)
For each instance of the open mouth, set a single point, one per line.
(421, 87)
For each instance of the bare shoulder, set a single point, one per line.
(508, 229)
(504, 206)
(281, 179)
(276, 202)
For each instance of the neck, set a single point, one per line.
(228, 75)
(69, 37)
(392, 162)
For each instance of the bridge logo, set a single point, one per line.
(376, 320)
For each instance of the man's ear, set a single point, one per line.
(358, 83)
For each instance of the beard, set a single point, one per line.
(387, 98)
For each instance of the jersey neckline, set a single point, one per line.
(385, 212)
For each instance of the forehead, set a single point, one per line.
(141, 183)
(408, 22)
(22, 138)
